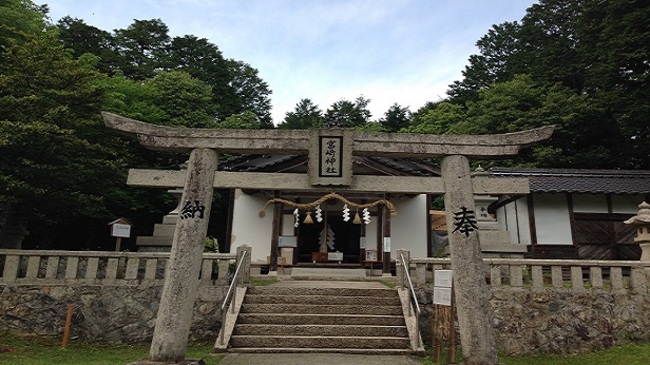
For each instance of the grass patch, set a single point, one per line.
(620, 355)
(389, 283)
(262, 281)
(48, 351)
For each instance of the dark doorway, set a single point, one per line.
(346, 236)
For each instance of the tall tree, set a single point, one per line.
(396, 118)
(522, 104)
(595, 48)
(20, 18)
(83, 38)
(496, 62)
(144, 47)
(54, 167)
(204, 61)
(349, 114)
(438, 118)
(306, 115)
(186, 101)
(250, 92)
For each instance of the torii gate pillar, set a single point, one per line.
(174, 318)
(472, 294)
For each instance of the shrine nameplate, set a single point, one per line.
(330, 157)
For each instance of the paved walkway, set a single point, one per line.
(317, 359)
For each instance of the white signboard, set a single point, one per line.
(335, 256)
(442, 278)
(288, 241)
(442, 283)
(121, 230)
(442, 296)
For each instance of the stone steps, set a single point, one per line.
(322, 330)
(322, 342)
(321, 319)
(326, 291)
(319, 299)
(320, 309)
(320, 350)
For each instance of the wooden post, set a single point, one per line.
(118, 244)
(68, 324)
(386, 240)
(434, 334)
(451, 352)
(275, 237)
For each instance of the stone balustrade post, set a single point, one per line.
(246, 265)
(401, 270)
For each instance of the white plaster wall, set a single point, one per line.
(248, 228)
(523, 222)
(626, 203)
(513, 218)
(409, 227)
(589, 203)
(287, 225)
(552, 222)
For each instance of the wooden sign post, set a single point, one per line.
(120, 228)
(443, 306)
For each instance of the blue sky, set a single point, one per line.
(389, 51)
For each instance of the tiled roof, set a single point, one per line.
(580, 181)
(275, 163)
(252, 163)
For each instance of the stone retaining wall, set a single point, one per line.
(526, 320)
(556, 320)
(120, 314)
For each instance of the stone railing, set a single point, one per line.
(71, 268)
(572, 275)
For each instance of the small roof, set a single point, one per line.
(543, 180)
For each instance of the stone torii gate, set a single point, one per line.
(330, 165)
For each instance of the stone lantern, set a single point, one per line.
(642, 223)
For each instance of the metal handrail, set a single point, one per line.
(415, 300)
(235, 279)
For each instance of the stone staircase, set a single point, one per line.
(309, 318)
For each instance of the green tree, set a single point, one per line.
(144, 47)
(438, 118)
(396, 118)
(83, 38)
(522, 104)
(349, 114)
(186, 101)
(132, 99)
(19, 18)
(244, 120)
(54, 167)
(595, 48)
(496, 62)
(250, 92)
(204, 61)
(306, 115)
